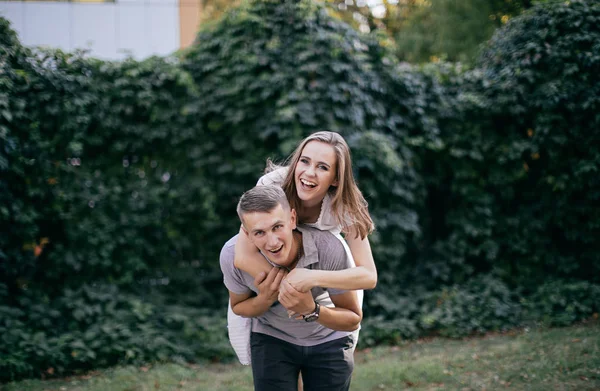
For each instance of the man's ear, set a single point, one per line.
(245, 230)
(293, 218)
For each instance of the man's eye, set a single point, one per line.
(259, 234)
(277, 227)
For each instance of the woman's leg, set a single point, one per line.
(238, 329)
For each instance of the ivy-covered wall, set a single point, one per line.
(118, 180)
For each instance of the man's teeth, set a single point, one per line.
(307, 183)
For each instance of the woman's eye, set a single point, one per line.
(324, 168)
(304, 160)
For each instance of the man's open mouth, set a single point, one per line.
(277, 250)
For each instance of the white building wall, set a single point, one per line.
(140, 28)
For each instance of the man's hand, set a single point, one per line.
(302, 279)
(300, 303)
(268, 284)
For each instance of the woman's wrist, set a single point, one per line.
(317, 279)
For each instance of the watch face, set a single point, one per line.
(315, 315)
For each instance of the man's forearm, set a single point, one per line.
(339, 319)
(252, 307)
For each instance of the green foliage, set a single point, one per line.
(100, 186)
(511, 188)
(448, 29)
(481, 304)
(101, 178)
(561, 303)
(539, 76)
(99, 325)
(119, 181)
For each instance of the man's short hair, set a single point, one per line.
(262, 199)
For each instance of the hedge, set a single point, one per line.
(119, 180)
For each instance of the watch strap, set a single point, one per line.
(313, 315)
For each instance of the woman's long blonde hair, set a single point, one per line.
(350, 208)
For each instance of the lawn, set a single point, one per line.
(541, 359)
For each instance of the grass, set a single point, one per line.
(543, 359)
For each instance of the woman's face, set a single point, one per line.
(315, 172)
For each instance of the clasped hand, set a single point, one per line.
(296, 302)
(268, 284)
(274, 286)
(302, 279)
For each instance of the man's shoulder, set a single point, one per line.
(318, 234)
(228, 250)
(325, 241)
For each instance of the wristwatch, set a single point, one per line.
(313, 315)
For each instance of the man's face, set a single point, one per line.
(272, 233)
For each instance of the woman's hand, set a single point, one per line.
(294, 301)
(303, 280)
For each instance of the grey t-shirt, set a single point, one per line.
(322, 251)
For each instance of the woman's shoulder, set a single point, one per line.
(275, 177)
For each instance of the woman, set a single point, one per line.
(319, 184)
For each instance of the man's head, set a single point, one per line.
(269, 222)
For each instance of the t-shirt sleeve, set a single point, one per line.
(275, 177)
(232, 277)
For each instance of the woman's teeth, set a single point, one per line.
(307, 183)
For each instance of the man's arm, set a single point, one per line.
(250, 306)
(346, 315)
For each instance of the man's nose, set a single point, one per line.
(272, 240)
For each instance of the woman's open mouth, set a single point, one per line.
(307, 185)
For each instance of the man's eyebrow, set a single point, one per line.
(278, 222)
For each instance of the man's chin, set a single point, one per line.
(278, 262)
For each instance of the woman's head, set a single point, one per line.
(322, 164)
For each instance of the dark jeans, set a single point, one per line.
(276, 364)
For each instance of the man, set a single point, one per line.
(291, 331)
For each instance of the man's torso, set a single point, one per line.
(322, 251)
